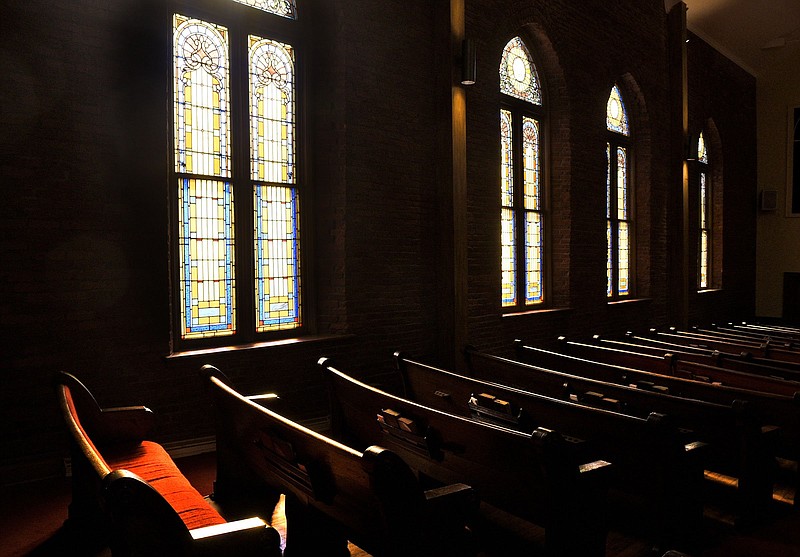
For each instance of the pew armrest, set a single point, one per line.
(249, 536)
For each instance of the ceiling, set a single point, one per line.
(761, 36)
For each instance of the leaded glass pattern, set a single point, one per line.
(508, 246)
(530, 150)
(518, 76)
(277, 246)
(533, 257)
(284, 8)
(623, 262)
(618, 199)
(272, 111)
(202, 92)
(522, 221)
(622, 183)
(702, 152)
(205, 206)
(506, 160)
(207, 266)
(616, 114)
(508, 232)
(533, 219)
(704, 215)
(609, 261)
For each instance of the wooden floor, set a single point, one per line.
(31, 517)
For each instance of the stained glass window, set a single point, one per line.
(207, 258)
(285, 8)
(272, 110)
(522, 222)
(618, 213)
(276, 206)
(508, 232)
(202, 91)
(704, 215)
(205, 206)
(616, 115)
(518, 76)
(277, 258)
(210, 180)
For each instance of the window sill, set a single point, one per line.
(709, 290)
(539, 311)
(629, 301)
(254, 346)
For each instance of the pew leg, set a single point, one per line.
(311, 534)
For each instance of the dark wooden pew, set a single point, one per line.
(653, 463)
(700, 356)
(770, 329)
(762, 350)
(739, 444)
(334, 493)
(654, 339)
(539, 477)
(673, 365)
(751, 335)
(782, 409)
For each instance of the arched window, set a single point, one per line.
(619, 222)
(521, 194)
(704, 216)
(236, 240)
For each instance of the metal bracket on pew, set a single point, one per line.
(410, 433)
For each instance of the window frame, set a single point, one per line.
(616, 140)
(521, 109)
(241, 21)
(703, 173)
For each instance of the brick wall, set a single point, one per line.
(85, 127)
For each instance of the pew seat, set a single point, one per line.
(129, 492)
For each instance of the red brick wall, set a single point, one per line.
(85, 125)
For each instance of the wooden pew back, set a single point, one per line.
(333, 491)
(739, 444)
(539, 477)
(653, 462)
(673, 365)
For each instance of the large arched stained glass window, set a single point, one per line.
(214, 228)
(521, 197)
(618, 199)
(704, 215)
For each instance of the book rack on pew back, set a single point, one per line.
(540, 477)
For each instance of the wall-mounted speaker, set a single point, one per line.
(769, 200)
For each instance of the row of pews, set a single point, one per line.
(553, 437)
